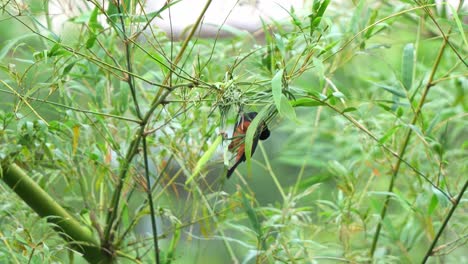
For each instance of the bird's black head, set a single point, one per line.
(250, 116)
(265, 133)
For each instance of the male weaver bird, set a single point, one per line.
(238, 143)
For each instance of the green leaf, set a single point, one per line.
(249, 135)
(391, 90)
(416, 130)
(338, 95)
(280, 44)
(349, 109)
(305, 101)
(433, 123)
(252, 215)
(314, 179)
(93, 23)
(277, 88)
(372, 19)
(94, 28)
(432, 204)
(56, 50)
(407, 66)
(337, 168)
(91, 40)
(205, 158)
(399, 112)
(316, 22)
(318, 9)
(387, 135)
(442, 199)
(11, 43)
(459, 24)
(322, 8)
(295, 19)
(113, 12)
(329, 47)
(359, 15)
(68, 68)
(123, 99)
(286, 109)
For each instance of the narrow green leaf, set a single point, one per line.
(338, 95)
(296, 21)
(358, 13)
(280, 44)
(316, 22)
(317, 13)
(314, 179)
(205, 158)
(329, 47)
(252, 215)
(100, 95)
(277, 88)
(56, 50)
(387, 135)
(68, 68)
(407, 66)
(433, 123)
(91, 40)
(432, 204)
(249, 135)
(392, 90)
(416, 130)
(305, 101)
(459, 24)
(322, 8)
(112, 12)
(11, 43)
(442, 199)
(372, 19)
(337, 168)
(349, 109)
(286, 109)
(93, 23)
(400, 112)
(316, 6)
(94, 28)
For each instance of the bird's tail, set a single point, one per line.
(232, 169)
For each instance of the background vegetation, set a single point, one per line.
(367, 160)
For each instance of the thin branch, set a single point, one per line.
(25, 97)
(98, 62)
(405, 143)
(151, 205)
(445, 223)
(128, 55)
(25, 101)
(392, 152)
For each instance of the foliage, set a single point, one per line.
(367, 158)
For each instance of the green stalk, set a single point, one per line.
(405, 143)
(80, 239)
(444, 224)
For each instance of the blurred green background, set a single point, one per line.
(314, 190)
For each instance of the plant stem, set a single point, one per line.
(151, 205)
(80, 239)
(444, 224)
(404, 145)
(133, 149)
